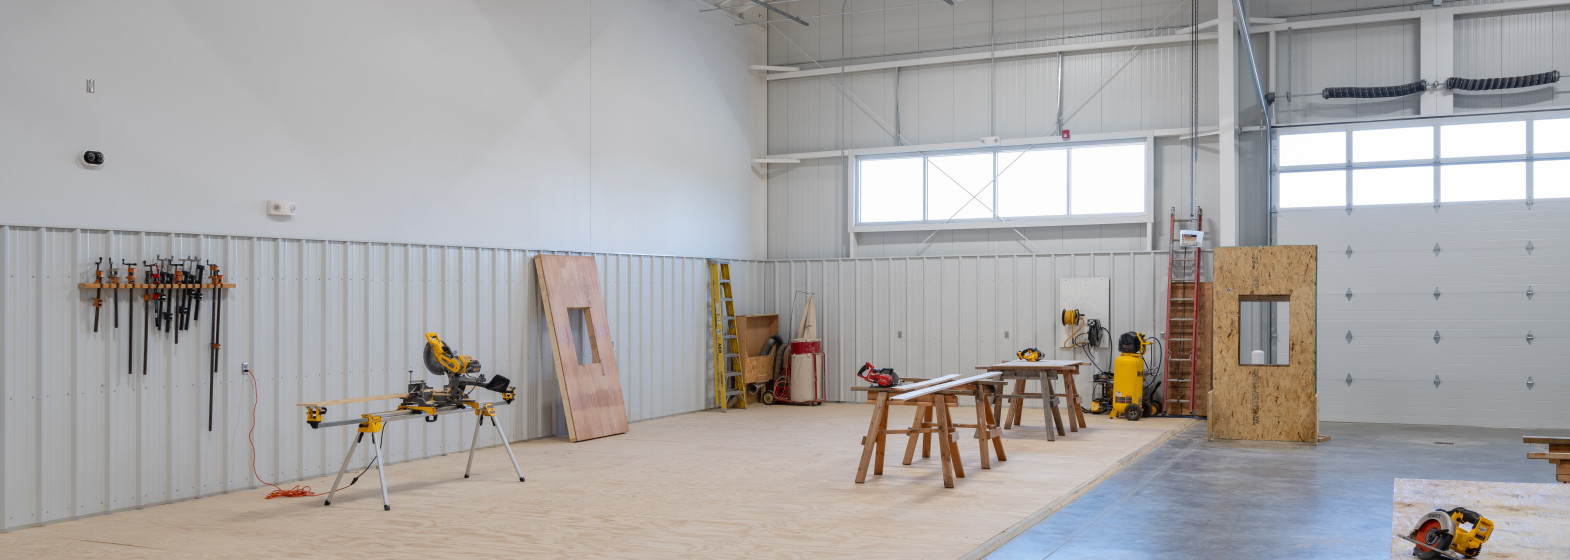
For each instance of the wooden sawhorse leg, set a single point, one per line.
(880, 417)
(1049, 409)
(1016, 405)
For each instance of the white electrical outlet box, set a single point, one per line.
(280, 208)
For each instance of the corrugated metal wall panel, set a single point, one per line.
(1513, 44)
(316, 320)
(1011, 98)
(1374, 54)
(936, 315)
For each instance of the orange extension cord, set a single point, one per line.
(278, 492)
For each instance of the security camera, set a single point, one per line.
(92, 160)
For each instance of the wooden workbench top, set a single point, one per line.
(1024, 365)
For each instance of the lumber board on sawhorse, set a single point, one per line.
(955, 383)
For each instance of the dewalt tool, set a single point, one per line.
(98, 296)
(878, 377)
(1439, 532)
(1029, 355)
(462, 372)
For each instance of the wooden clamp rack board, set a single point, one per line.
(125, 286)
(373, 422)
(1558, 454)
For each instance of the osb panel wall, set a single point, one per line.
(1264, 402)
(1202, 370)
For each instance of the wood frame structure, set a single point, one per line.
(1265, 402)
(591, 393)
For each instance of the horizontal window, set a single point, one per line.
(1551, 179)
(890, 190)
(1393, 144)
(1313, 149)
(1550, 136)
(1033, 183)
(1075, 180)
(1307, 189)
(1482, 181)
(1392, 185)
(1108, 179)
(1482, 139)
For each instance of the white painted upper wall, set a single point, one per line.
(603, 125)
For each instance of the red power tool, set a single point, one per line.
(878, 377)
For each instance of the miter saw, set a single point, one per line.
(462, 372)
(1440, 532)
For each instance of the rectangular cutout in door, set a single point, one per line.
(583, 335)
(1263, 324)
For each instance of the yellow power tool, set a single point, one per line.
(1439, 532)
(1029, 355)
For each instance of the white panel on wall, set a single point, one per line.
(1489, 255)
(316, 320)
(1373, 54)
(1091, 298)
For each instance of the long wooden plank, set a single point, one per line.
(591, 393)
(1024, 365)
(1546, 439)
(935, 388)
(909, 386)
(1549, 456)
(354, 400)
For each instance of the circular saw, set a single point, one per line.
(1439, 532)
(462, 372)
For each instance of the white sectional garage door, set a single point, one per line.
(1456, 313)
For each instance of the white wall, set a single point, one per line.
(606, 125)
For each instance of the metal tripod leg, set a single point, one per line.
(381, 472)
(508, 446)
(472, 445)
(346, 459)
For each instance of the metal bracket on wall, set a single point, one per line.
(1349, 251)
(1436, 249)
(1436, 382)
(1529, 292)
(1529, 383)
(1529, 338)
(1436, 337)
(1349, 294)
(1349, 380)
(1349, 337)
(1529, 247)
(1436, 293)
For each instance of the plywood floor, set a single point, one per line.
(1530, 519)
(766, 482)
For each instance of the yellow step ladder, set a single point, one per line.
(727, 359)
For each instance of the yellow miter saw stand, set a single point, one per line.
(1440, 532)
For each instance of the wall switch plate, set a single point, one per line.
(280, 208)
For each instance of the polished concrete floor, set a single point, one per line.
(1244, 500)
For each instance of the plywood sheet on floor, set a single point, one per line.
(1530, 519)
(764, 482)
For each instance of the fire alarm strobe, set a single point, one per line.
(280, 208)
